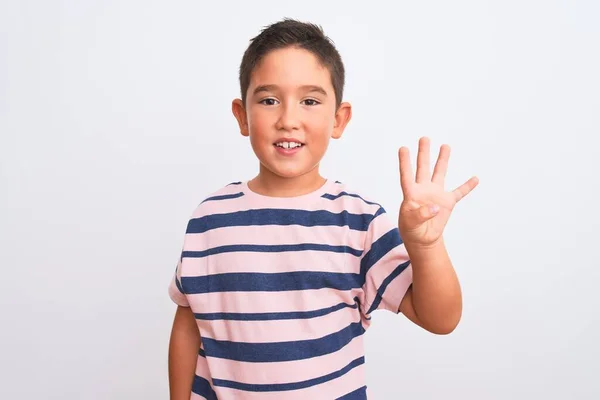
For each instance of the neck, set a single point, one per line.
(269, 184)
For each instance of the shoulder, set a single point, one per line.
(350, 198)
(359, 204)
(230, 190)
(226, 197)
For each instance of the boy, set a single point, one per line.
(279, 275)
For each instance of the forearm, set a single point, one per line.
(436, 293)
(183, 354)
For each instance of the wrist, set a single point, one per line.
(419, 251)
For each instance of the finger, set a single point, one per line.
(423, 160)
(420, 215)
(406, 173)
(464, 189)
(441, 165)
(411, 205)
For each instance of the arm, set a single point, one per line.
(434, 300)
(183, 353)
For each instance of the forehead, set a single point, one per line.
(291, 67)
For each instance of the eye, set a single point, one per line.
(268, 101)
(311, 102)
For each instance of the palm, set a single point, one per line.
(422, 191)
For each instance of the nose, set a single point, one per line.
(288, 118)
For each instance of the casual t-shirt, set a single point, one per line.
(283, 290)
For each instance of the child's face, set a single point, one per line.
(291, 99)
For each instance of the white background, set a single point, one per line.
(115, 122)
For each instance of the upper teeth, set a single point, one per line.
(288, 145)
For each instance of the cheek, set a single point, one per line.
(259, 124)
(320, 127)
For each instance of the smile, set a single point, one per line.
(289, 145)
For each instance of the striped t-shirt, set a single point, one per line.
(283, 290)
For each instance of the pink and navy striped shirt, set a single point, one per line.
(283, 290)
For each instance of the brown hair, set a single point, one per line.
(293, 33)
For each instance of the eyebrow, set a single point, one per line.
(272, 88)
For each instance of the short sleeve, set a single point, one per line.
(176, 292)
(385, 267)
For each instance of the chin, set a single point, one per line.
(290, 172)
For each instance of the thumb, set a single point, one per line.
(420, 215)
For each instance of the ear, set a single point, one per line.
(239, 111)
(342, 117)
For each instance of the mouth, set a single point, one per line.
(288, 147)
(288, 144)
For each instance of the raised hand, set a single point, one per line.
(427, 206)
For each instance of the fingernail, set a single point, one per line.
(434, 209)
